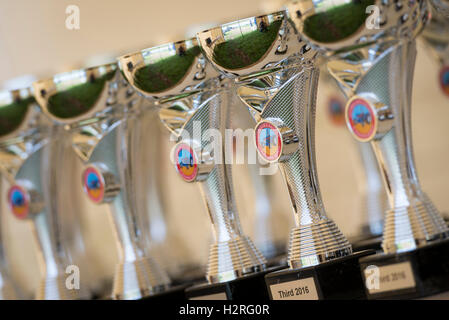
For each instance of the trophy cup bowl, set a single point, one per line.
(193, 99)
(100, 112)
(276, 76)
(25, 160)
(372, 58)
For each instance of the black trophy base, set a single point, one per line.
(335, 279)
(279, 262)
(413, 274)
(247, 288)
(367, 243)
(173, 293)
(188, 276)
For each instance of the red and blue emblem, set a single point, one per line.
(93, 184)
(19, 201)
(361, 119)
(444, 80)
(268, 141)
(186, 162)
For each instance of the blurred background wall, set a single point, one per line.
(34, 40)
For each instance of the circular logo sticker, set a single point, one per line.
(93, 184)
(19, 202)
(444, 80)
(186, 162)
(336, 110)
(361, 119)
(268, 141)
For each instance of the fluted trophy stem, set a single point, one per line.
(412, 220)
(52, 276)
(374, 197)
(233, 254)
(315, 238)
(221, 206)
(137, 274)
(51, 252)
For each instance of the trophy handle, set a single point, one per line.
(115, 162)
(412, 219)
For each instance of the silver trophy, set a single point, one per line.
(100, 112)
(277, 77)
(27, 163)
(194, 106)
(269, 223)
(372, 57)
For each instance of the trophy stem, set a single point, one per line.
(52, 283)
(315, 238)
(137, 274)
(263, 230)
(412, 220)
(233, 253)
(374, 197)
(53, 254)
(8, 290)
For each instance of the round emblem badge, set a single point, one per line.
(186, 162)
(361, 119)
(444, 80)
(93, 184)
(19, 201)
(268, 141)
(336, 110)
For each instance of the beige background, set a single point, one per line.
(34, 40)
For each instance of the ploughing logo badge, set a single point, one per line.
(186, 162)
(268, 141)
(361, 119)
(93, 184)
(18, 200)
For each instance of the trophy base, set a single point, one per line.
(275, 253)
(55, 288)
(188, 276)
(173, 293)
(366, 243)
(247, 288)
(412, 274)
(176, 292)
(279, 261)
(335, 279)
